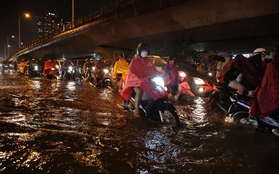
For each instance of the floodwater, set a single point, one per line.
(70, 127)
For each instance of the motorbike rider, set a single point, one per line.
(244, 74)
(84, 68)
(220, 65)
(140, 70)
(66, 64)
(22, 66)
(183, 85)
(99, 69)
(48, 65)
(265, 100)
(171, 70)
(120, 70)
(88, 68)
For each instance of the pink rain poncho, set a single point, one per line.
(139, 71)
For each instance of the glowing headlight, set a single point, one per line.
(36, 68)
(159, 81)
(57, 66)
(52, 69)
(106, 71)
(201, 89)
(182, 74)
(93, 68)
(70, 68)
(210, 74)
(198, 81)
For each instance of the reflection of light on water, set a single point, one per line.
(106, 94)
(37, 84)
(104, 113)
(199, 112)
(71, 85)
(198, 101)
(17, 118)
(156, 140)
(229, 119)
(105, 122)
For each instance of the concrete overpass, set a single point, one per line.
(231, 25)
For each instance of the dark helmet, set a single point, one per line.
(171, 58)
(121, 55)
(142, 46)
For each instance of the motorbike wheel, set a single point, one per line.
(240, 117)
(93, 81)
(169, 116)
(131, 107)
(222, 102)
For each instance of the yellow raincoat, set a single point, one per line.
(120, 66)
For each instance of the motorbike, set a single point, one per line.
(21, 69)
(5, 66)
(220, 97)
(92, 78)
(51, 73)
(159, 110)
(184, 90)
(239, 111)
(34, 70)
(120, 78)
(70, 73)
(237, 107)
(102, 77)
(79, 72)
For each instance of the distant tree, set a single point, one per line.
(52, 55)
(175, 46)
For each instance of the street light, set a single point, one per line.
(26, 15)
(8, 45)
(73, 14)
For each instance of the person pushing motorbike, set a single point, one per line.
(139, 71)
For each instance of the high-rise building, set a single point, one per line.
(47, 24)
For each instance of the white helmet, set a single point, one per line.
(259, 51)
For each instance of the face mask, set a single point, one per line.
(143, 54)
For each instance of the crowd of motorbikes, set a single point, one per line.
(236, 104)
(224, 97)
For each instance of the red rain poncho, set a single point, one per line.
(49, 64)
(266, 96)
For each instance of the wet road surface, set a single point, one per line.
(71, 127)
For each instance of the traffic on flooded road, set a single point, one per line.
(70, 126)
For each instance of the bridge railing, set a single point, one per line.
(119, 10)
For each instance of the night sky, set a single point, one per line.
(10, 9)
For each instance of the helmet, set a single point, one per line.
(171, 58)
(121, 55)
(142, 46)
(259, 51)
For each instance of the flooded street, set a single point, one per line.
(70, 127)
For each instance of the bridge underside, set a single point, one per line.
(240, 30)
